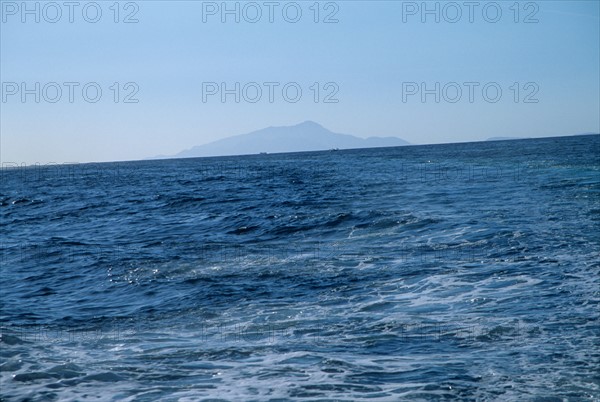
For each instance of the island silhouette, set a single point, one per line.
(306, 136)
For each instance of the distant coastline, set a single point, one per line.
(304, 137)
(360, 143)
(507, 138)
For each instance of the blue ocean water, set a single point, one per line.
(466, 271)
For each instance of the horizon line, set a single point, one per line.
(165, 157)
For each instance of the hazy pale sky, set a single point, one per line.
(169, 72)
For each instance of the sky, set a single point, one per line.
(111, 81)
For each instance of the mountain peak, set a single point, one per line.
(309, 123)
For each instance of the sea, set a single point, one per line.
(466, 271)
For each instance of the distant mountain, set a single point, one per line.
(307, 136)
(505, 138)
(531, 138)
